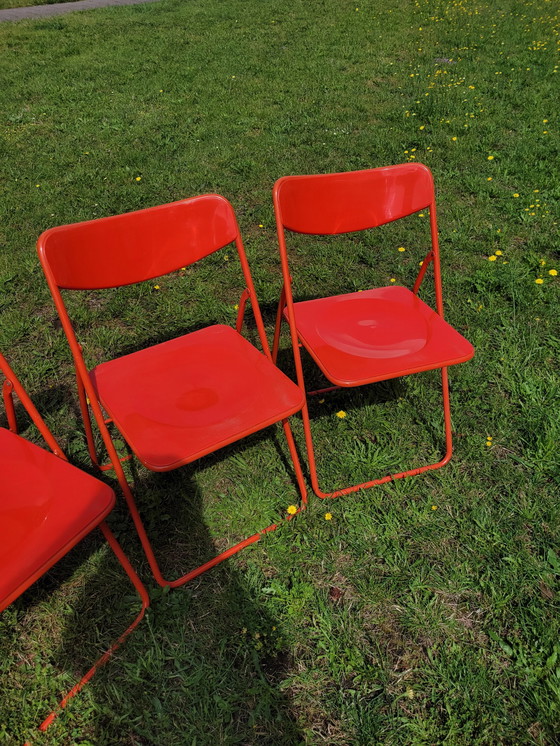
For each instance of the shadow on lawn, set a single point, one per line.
(205, 665)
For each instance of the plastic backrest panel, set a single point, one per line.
(137, 246)
(328, 204)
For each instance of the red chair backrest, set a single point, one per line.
(328, 204)
(136, 246)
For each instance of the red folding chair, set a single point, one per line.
(179, 400)
(46, 507)
(359, 338)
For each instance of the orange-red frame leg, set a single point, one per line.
(148, 550)
(390, 477)
(142, 592)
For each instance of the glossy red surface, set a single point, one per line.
(352, 201)
(182, 399)
(137, 246)
(377, 334)
(360, 338)
(46, 507)
(176, 401)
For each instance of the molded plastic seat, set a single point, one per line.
(378, 334)
(194, 409)
(47, 506)
(374, 335)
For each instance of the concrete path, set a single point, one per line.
(56, 9)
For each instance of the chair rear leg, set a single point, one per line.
(142, 592)
(389, 477)
(278, 325)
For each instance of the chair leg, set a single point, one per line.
(146, 544)
(142, 592)
(390, 477)
(84, 408)
(295, 460)
(278, 325)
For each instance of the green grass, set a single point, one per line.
(426, 611)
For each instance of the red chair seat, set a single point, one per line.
(46, 507)
(182, 399)
(369, 336)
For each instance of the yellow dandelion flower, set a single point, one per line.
(542, 262)
(453, 138)
(490, 158)
(138, 178)
(341, 415)
(499, 253)
(539, 281)
(434, 507)
(489, 178)
(516, 195)
(401, 248)
(488, 443)
(420, 214)
(492, 258)
(236, 307)
(156, 287)
(421, 127)
(553, 272)
(292, 510)
(392, 279)
(328, 516)
(261, 225)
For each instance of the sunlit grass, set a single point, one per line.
(425, 611)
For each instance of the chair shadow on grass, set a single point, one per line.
(205, 664)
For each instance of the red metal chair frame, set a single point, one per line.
(28, 574)
(333, 204)
(131, 248)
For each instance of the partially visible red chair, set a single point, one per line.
(374, 335)
(46, 507)
(176, 401)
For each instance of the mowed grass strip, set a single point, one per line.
(421, 612)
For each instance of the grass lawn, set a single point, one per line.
(426, 611)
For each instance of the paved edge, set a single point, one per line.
(56, 9)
